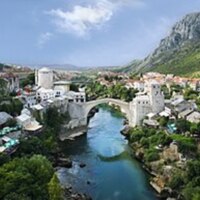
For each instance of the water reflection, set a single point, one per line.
(111, 171)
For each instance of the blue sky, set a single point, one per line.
(85, 32)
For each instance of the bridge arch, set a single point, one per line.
(124, 106)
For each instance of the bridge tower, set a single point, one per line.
(139, 108)
(156, 97)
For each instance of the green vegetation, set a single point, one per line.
(184, 61)
(191, 180)
(74, 87)
(117, 91)
(47, 142)
(187, 145)
(148, 139)
(54, 188)
(151, 155)
(184, 180)
(29, 174)
(11, 106)
(177, 180)
(25, 178)
(30, 80)
(3, 87)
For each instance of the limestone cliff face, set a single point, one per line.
(186, 30)
(183, 39)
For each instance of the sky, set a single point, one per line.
(85, 32)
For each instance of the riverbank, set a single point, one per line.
(72, 134)
(103, 162)
(156, 163)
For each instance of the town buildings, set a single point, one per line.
(48, 90)
(12, 81)
(150, 101)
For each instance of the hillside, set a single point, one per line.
(178, 53)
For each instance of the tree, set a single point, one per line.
(163, 121)
(151, 155)
(11, 123)
(15, 196)
(2, 87)
(176, 181)
(193, 169)
(4, 158)
(28, 177)
(14, 107)
(30, 80)
(53, 118)
(191, 193)
(74, 88)
(55, 189)
(183, 125)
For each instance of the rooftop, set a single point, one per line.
(62, 83)
(45, 69)
(4, 117)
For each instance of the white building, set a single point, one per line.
(44, 78)
(29, 98)
(43, 94)
(62, 86)
(76, 97)
(12, 81)
(156, 96)
(194, 117)
(139, 85)
(141, 107)
(55, 93)
(28, 122)
(151, 102)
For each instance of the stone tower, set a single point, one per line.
(139, 108)
(45, 78)
(156, 97)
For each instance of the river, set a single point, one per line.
(110, 173)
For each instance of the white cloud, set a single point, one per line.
(81, 19)
(44, 38)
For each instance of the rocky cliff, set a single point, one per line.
(178, 53)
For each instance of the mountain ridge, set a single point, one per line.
(182, 44)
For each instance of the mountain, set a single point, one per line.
(178, 53)
(4, 66)
(65, 67)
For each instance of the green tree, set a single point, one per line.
(74, 87)
(3, 88)
(11, 123)
(26, 176)
(151, 155)
(183, 125)
(177, 181)
(163, 121)
(55, 189)
(29, 80)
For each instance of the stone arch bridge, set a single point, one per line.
(79, 111)
(124, 106)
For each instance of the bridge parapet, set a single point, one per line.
(124, 106)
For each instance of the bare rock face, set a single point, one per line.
(186, 30)
(184, 35)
